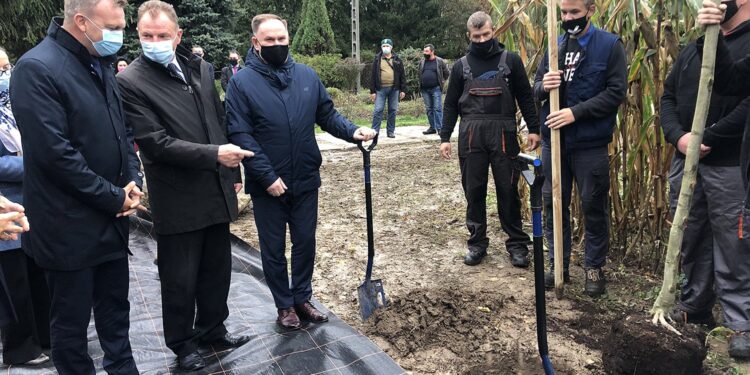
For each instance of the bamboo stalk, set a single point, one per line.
(665, 302)
(554, 100)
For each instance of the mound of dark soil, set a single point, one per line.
(462, 332)
(637, 347)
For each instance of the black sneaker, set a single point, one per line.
(474, 257)
(549, 278)
(391, 135)
(430, 131)
(596, 283)
(681, 316)
(739, 345)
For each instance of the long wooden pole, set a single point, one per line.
(554, 104)
(665, 301)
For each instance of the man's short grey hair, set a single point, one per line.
(259, 19)
(84, 6)
(478, 20)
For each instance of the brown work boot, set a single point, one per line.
(288, 318)
(308, 312)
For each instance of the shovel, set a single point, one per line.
(535, 179)
(370, 294)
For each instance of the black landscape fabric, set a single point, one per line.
(329, 348)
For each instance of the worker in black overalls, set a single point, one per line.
(484, 87)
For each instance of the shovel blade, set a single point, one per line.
(371, 297)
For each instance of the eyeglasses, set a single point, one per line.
(6, 70)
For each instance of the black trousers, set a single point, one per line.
(272, 215)
(73, 294)
(24, 339)
(484, 145)
(590, 170)
(195, 269)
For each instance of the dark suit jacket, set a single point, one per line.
(77, 154)
(227, 74)
(179, 128)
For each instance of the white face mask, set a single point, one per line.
(386, 50)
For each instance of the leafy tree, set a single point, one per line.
(289, 10)
(25, 23)
(204, 23)
(314, 35)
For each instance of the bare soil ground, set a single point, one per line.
(445, 317)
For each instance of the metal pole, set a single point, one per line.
(355, 41)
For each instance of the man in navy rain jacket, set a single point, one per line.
(272, 108)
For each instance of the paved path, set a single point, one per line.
(404, 134)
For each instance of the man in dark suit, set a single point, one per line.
(229, 71)
(172, 104)
(81, 181)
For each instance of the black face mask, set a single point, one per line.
(234, 62)
(275, 55)
(576, 26)
(483, 49)
(732, 9)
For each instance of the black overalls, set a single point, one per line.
(487, 137)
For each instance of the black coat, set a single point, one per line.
(178, 129)
(681, 91)
(227, 74)
(78, 154)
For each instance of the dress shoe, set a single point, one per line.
(288, 318)
(191, 362)
(40, 360)
(429, 131)
(308, 312)
(739, 345)
(474, 257)
(595, 284)
(519, 259)
(230, 341)
(549, 278)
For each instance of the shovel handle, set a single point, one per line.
(370, 147)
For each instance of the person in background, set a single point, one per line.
(433, 75)
(197, 51)
(388, 86)
(229, 71)
(122, 63)
(81, 181)
(23, 339)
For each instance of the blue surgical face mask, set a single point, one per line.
(111, 41)
(4, 82)
(159, 52)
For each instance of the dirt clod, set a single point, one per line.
(637, 347)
